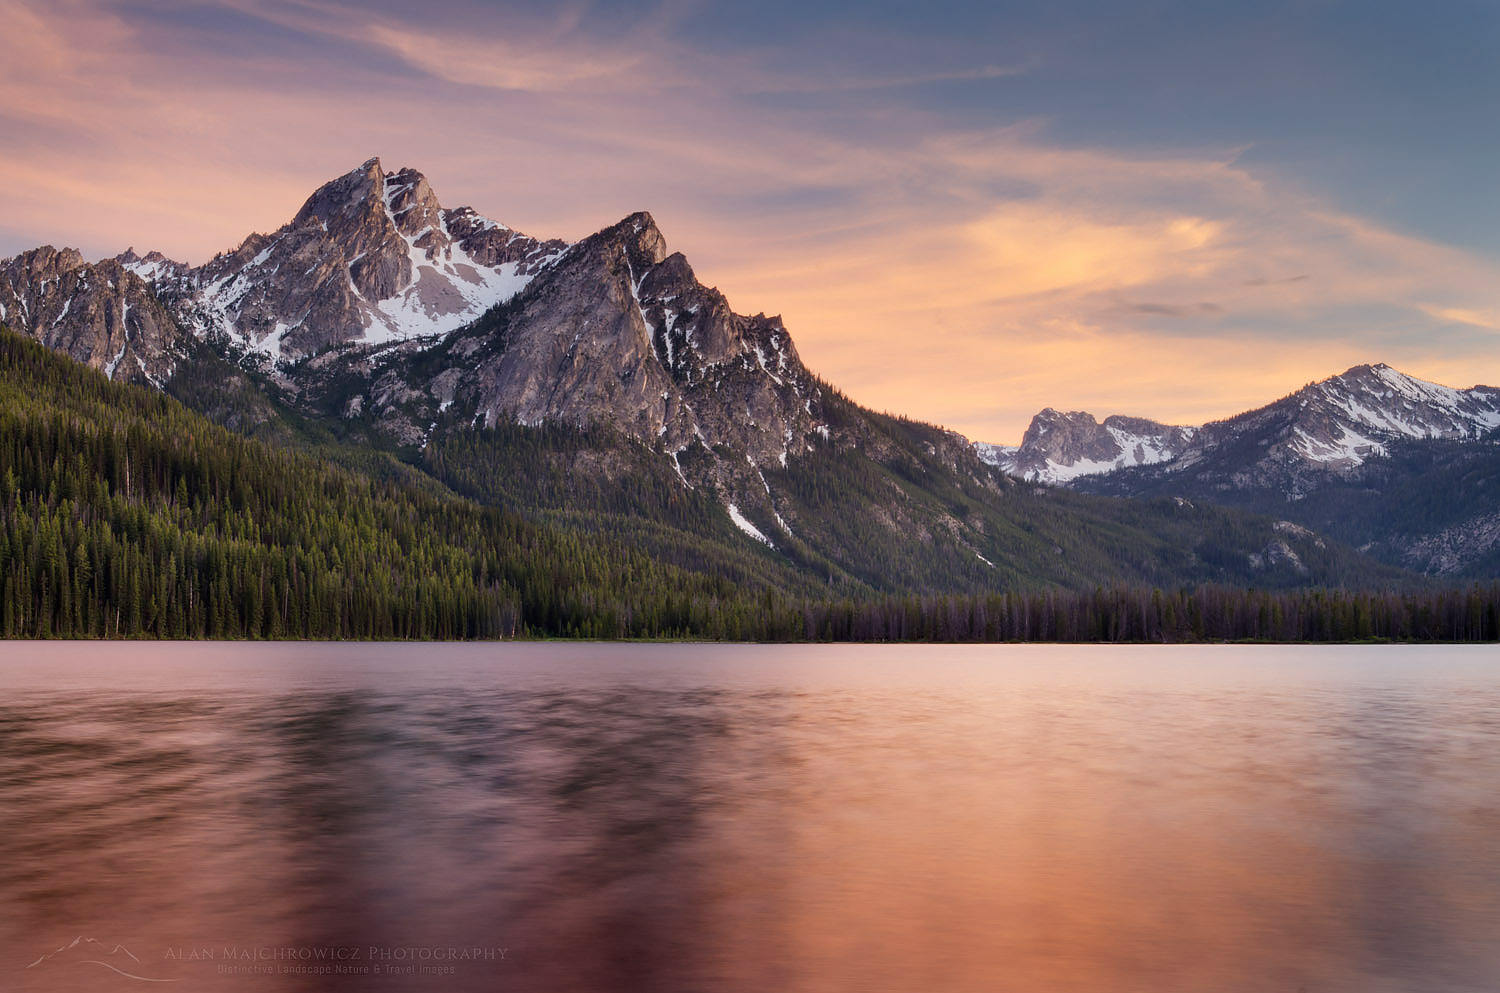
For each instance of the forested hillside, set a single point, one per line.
(123, 514)
(885, 505)
(902, 511)
(1429, 505)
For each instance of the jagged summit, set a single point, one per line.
(1349, 417)
(371, 256)
(101, 314)
(346, 194)
(154, 267)
(614, 328)
(1335, 423)
(618, 330)
(1061, 446)
(45, 261)
(642, 239)
(379, 317)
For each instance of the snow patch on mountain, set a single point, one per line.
(1059, 447)
(371, 258)
(447, 288)
(745, 526)
(1383, 400)
(1335, 424)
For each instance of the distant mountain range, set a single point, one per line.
(1403, 468)
(598, 386)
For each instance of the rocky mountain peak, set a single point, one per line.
(358, 190)
(102, 314)
(613, 329)
(637, 237)
(1330, 426)
(46, 262)
(616, 330)
(1060, 429)
(153, 267)
(370, 257)
(1377, 378)
(1349, 417)
(415, 211)
(354, 211)
(1059, 446)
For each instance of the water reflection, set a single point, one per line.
(778, 819)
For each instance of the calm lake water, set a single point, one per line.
(571, 817)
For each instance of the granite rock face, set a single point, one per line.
(374, 283)
(376, 303)
(616, 331)
(101, 314)
(631, 336)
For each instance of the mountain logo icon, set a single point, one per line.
(93, 952)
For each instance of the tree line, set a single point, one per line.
(123, 515)
(1200, 614)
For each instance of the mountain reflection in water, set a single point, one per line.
(673, 818)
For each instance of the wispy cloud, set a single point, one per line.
(1488, 319)
(785, 83)
(965, 272)
(537, 55)
(505, 67)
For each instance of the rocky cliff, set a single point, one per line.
(101, 314)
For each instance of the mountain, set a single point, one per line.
(1331, 425)
(599, 389)
(614, 330)
(373, 272)
(101, 314)
(123, 513)
(1058, 447)
(1405, 469)
(371, 257)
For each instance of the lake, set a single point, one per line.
(571, 817)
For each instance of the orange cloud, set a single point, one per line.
(1489, 319)
(967, 277)
(1096, 289)
(503, 67)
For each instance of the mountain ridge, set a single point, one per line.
(1322, 423)
(1396, 466)
(608, 356)
(99, 313)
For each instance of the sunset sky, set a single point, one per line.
(964, 211)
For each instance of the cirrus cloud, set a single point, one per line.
(964, 273)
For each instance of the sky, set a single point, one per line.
(964, 212)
